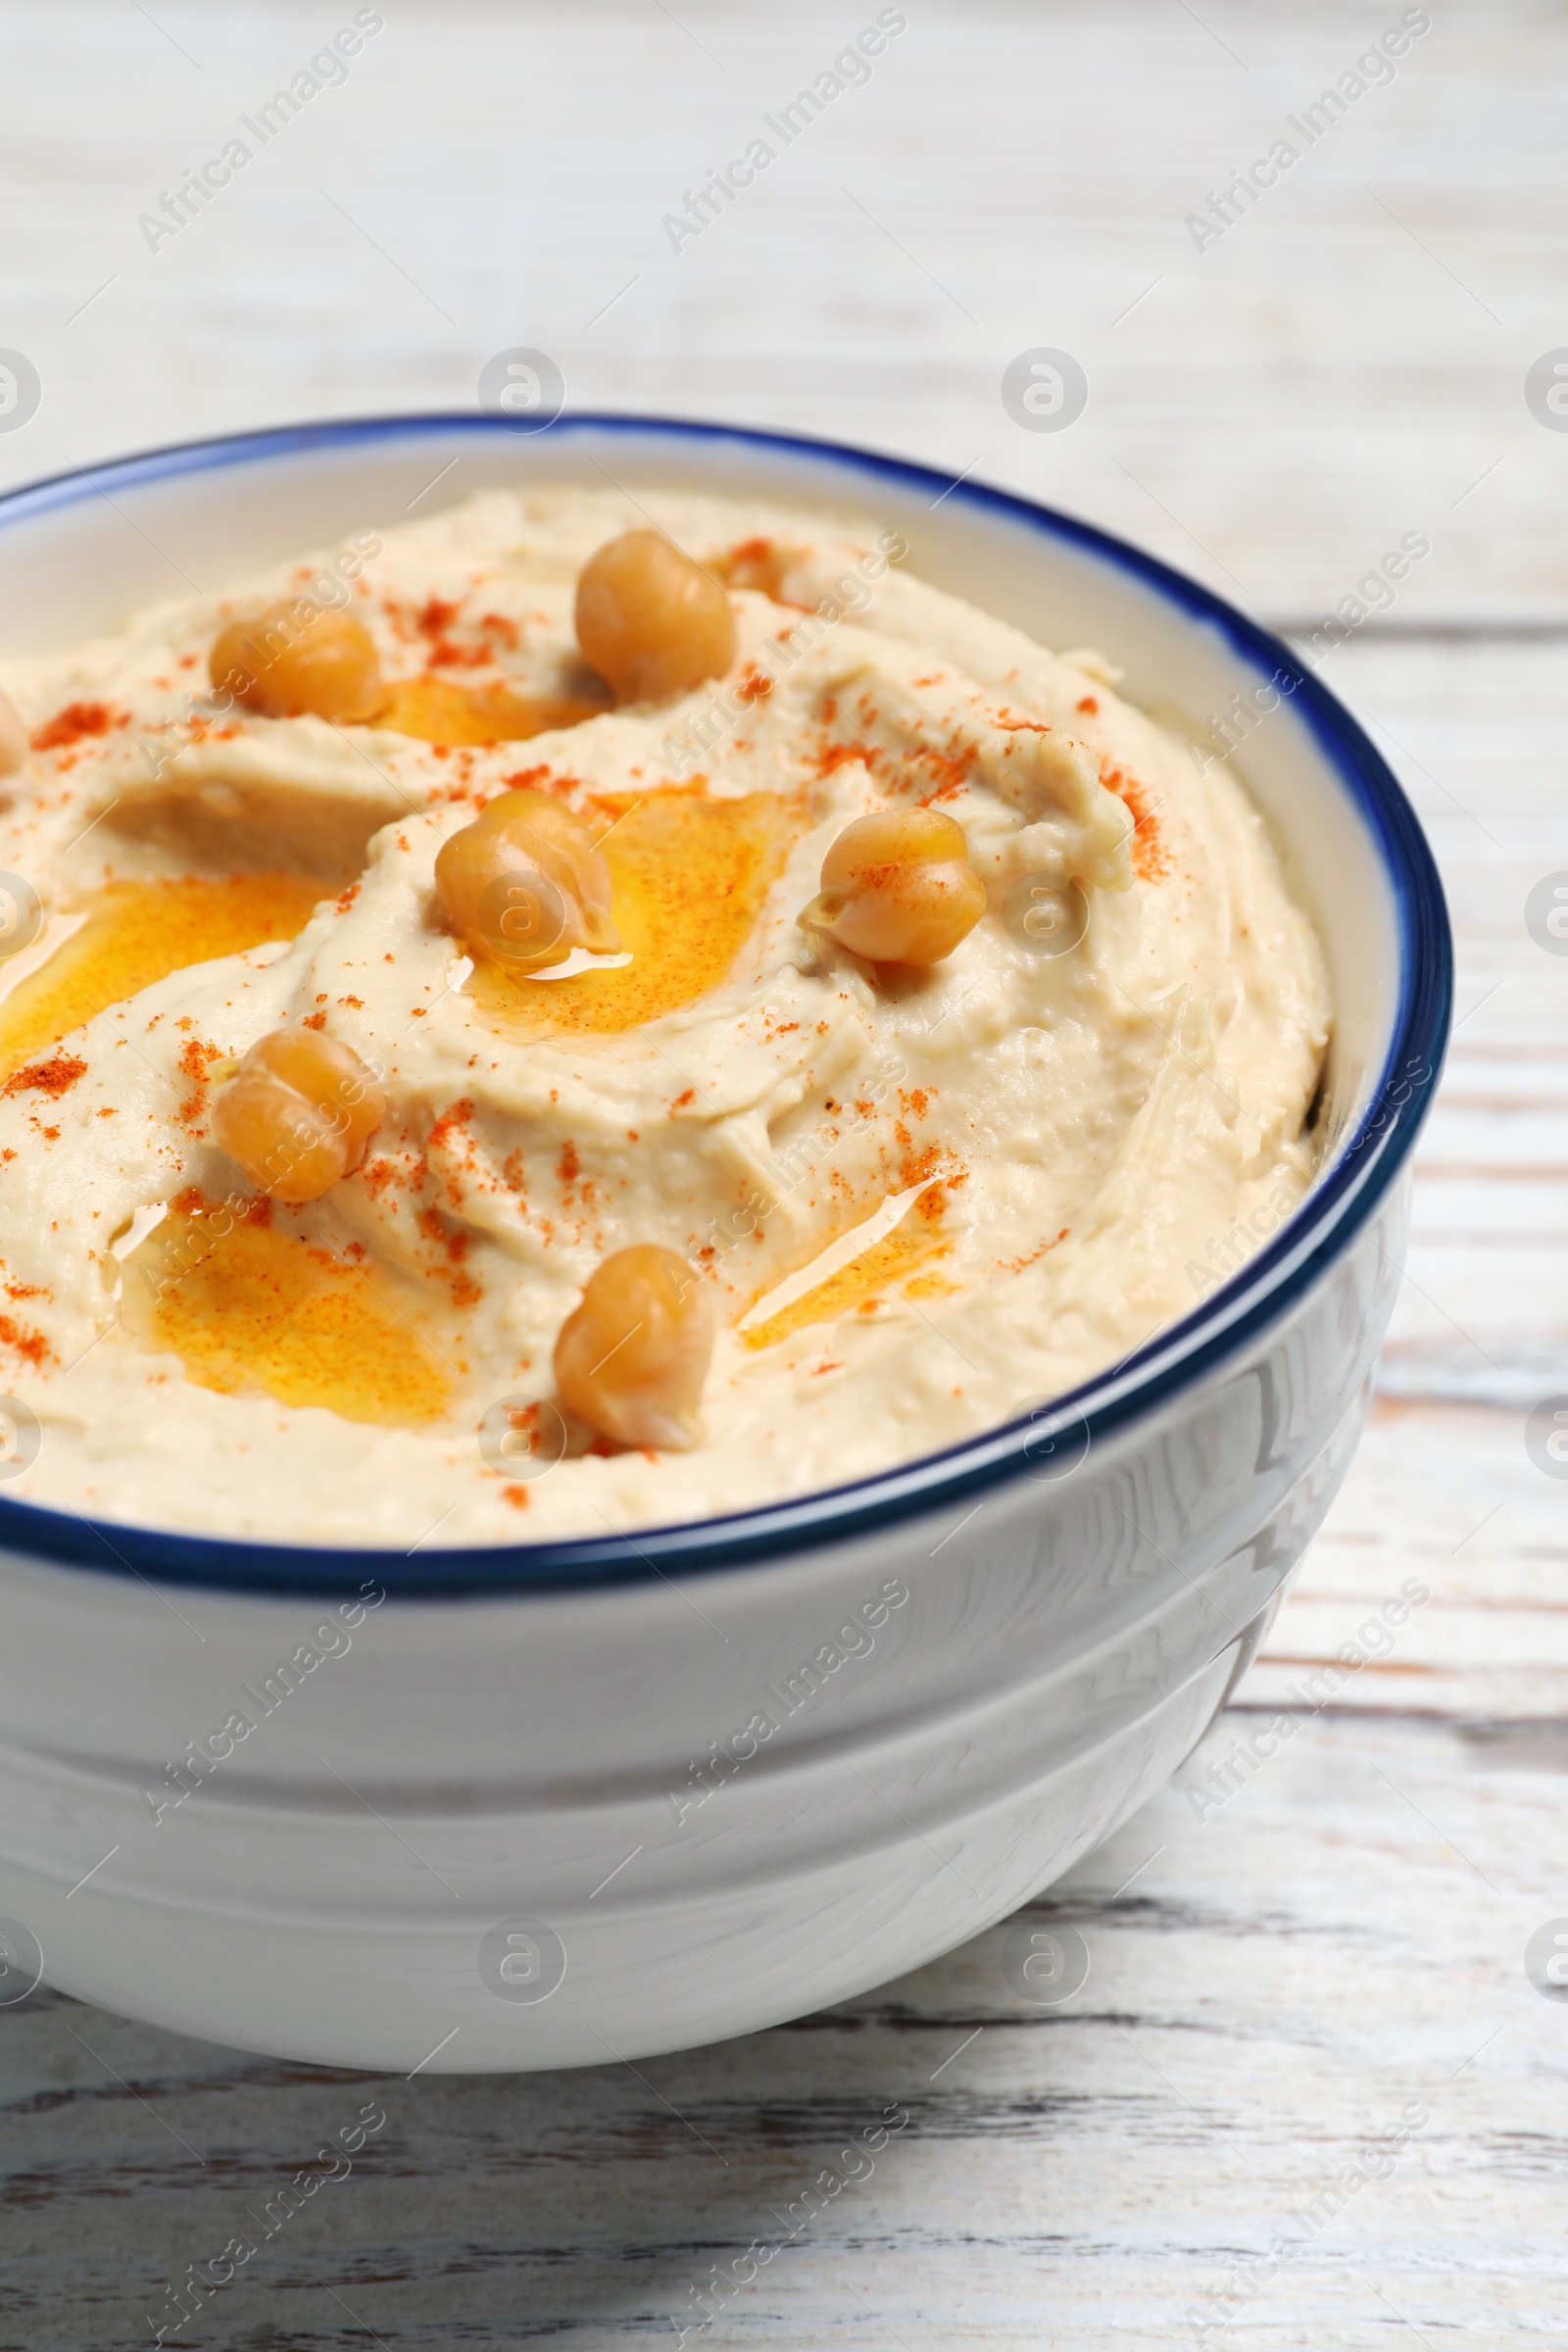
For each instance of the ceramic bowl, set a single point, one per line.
(547, 1805)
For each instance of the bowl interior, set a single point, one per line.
(85, 553)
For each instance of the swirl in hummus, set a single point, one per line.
(903, 1198)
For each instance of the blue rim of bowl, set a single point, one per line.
(1283, 1269)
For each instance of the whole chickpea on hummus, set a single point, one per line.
(586, 1013)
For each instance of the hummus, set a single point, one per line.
(923, 1200)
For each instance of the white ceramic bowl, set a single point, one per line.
(521, 1811)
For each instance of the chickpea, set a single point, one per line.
(298, 657)
(526, 883)
(632, 1357)
(650, 620)
(12, 737)
(298, 1114)
(897, 888)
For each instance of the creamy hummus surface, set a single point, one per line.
(919, 1198)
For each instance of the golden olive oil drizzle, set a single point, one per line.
(915, 1239)
(245, 1307)
(691, 874)
(139, 931)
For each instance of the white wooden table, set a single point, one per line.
(1274, 1979)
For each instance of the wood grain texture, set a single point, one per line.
(1344, 1934)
